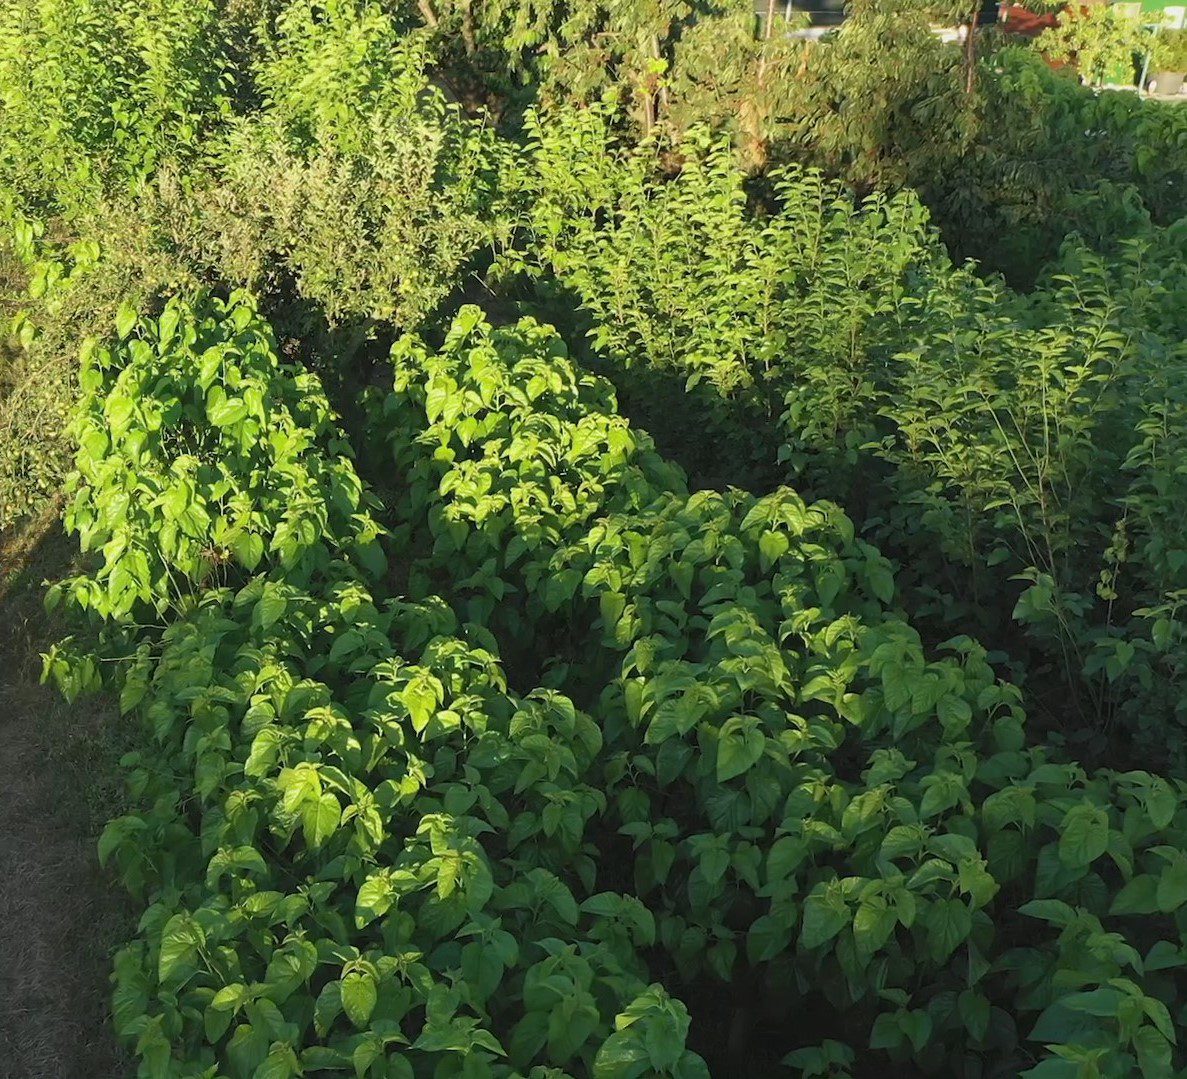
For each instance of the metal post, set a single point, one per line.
(1146, 62)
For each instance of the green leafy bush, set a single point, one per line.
(1169, 51)
(356, 177)
(98, 92)
(357, 848)
(970, 427)
(60, 294)
(548, 764)
(37, 389)
(1098, 40)
(1046, 146)
(1041, 438)
(737, 654)
(680, 276)
(194, 455)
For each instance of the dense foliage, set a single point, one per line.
(356, 175)
(738, 654)
(97, 92)
(836, 726)
(1016, 438)
(355, 837)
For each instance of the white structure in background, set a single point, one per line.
(826, 15)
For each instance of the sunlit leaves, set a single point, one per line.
(359, 995)
(181, 939)
(1084, 835)
(214, 474)
(825, 915)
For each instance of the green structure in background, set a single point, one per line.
(1156, 14)
(1171, 14)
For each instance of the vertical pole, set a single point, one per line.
(768, 29)
(663, 86)
(1146, 61)
(970, 52)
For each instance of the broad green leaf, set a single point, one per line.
(1139, 896)
(740, 746)
(248, 548)
(1154, 1054)
(375, 899)
(1083, 835)
(873, 924)
(180, 941)
(359, 996)
(948, 924)
(125, 320)
(327, 1007)
(281, 1063)
(825, 915)
(768, 936)
(421, 696)
(271, 607)
(974, 1013)
(772, 546)
(167, 325)
(1172, 883)
(320, 819)
(227, 412)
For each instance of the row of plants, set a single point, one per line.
(302, 149)
(97, 94)
(1052, 159)
(1000, 147)
(825, 818)
(590, 742)
(1017, 453)
(356, 848)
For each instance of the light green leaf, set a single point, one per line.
(375, 899)
(359, 995)
(825, 915)
(125, 320)
(227, 412)
(739, 747)
(1083, 835)
(1154, 1054)
(873, 924)
(320, 820)
(180, 941)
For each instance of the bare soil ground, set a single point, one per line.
(60, 915)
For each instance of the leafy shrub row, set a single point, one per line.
(355, 174)
(1009, 156)
(358, 850)
(817, 808)
(300, 148)
(986, 437)
(339, 794)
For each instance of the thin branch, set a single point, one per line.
(468, 29)
(970, 52)
(427, 13)
(768, 29)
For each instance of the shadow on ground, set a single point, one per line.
(60, 916)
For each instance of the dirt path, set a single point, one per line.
(59, 916)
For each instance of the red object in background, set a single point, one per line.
(1015, 19)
